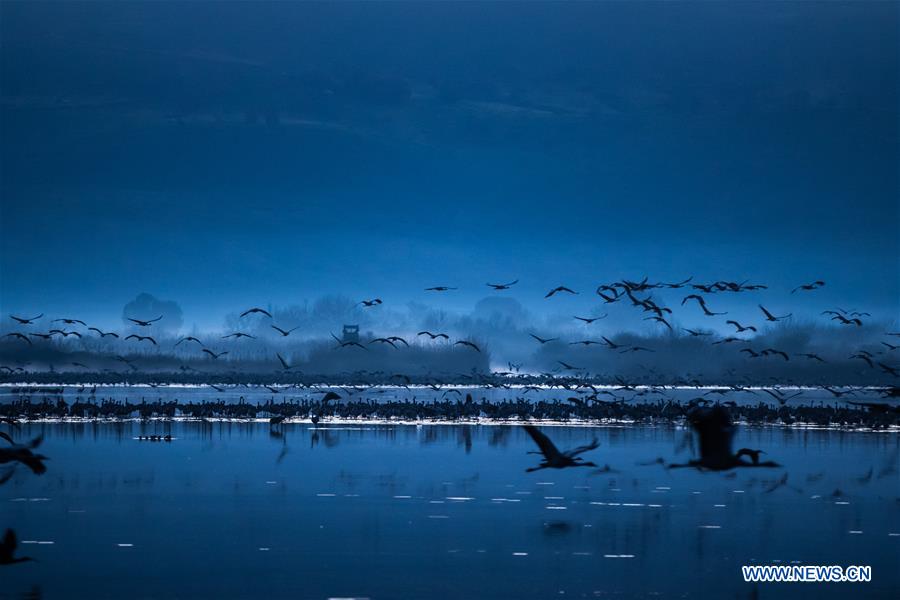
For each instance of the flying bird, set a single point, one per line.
(469, 344)
(569, 367)
(104, 334)
(741, 328)
(69, 321)
(141, 338)
(8, 549)
(141, 323)
(350, 344)
(370, 303)
(22, 453)
(502, 286)
(553, 458)
(284, 332)
(189, 338)
(440, 288)
(284, 363)
(543, 340)
(845, 321)
(434, 335)
(255, 310)
(64, 333)
(213, 354)
(237, 335)
(24, 321)
(781, 353)
(559, 289)
(715, 431)
(19, 336)
(590, 320)
(702, 304)
(893, 371)
(611, 344)
(695, 333)
(809, 286)
(770, 316)
(659, 320)
(862, 356)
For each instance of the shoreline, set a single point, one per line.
(343, 421)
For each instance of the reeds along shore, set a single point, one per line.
(869, 415)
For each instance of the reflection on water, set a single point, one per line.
(229, 509)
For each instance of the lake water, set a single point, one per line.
(231, 510)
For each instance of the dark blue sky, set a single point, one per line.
(224, 155)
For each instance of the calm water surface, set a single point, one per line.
(229, 510)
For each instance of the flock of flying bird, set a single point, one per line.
(712, 425)
(638, 294)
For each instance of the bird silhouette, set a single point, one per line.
(771, 351)
(893, 371)
(808, 286)
(543, 341)
(590, 320)
(553, 458)
(104, 334)
(569, 367)
(862, 356)
(69, 321)
(350, 345)
(847, 321)
(702, 304)
(284, 332)
(284, 363)
(141, 338)
(26, 321)
(770, 316)
(142, 323)
(659, 320)
(440, 288)
(611, 344)
(370, 303)
(468, 344)
(715, 431)
(585, 343)
(502, 286)
(559, 289)
(238, 335)
(8, 549)
(695, 333)
(741, 328)
(434, 335)
(255, 310)
(19, 336)
(23, 453)
(214, 355)
(189, 338)
(64, 333)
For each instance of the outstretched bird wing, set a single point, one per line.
(595, 443)
(543, 442)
